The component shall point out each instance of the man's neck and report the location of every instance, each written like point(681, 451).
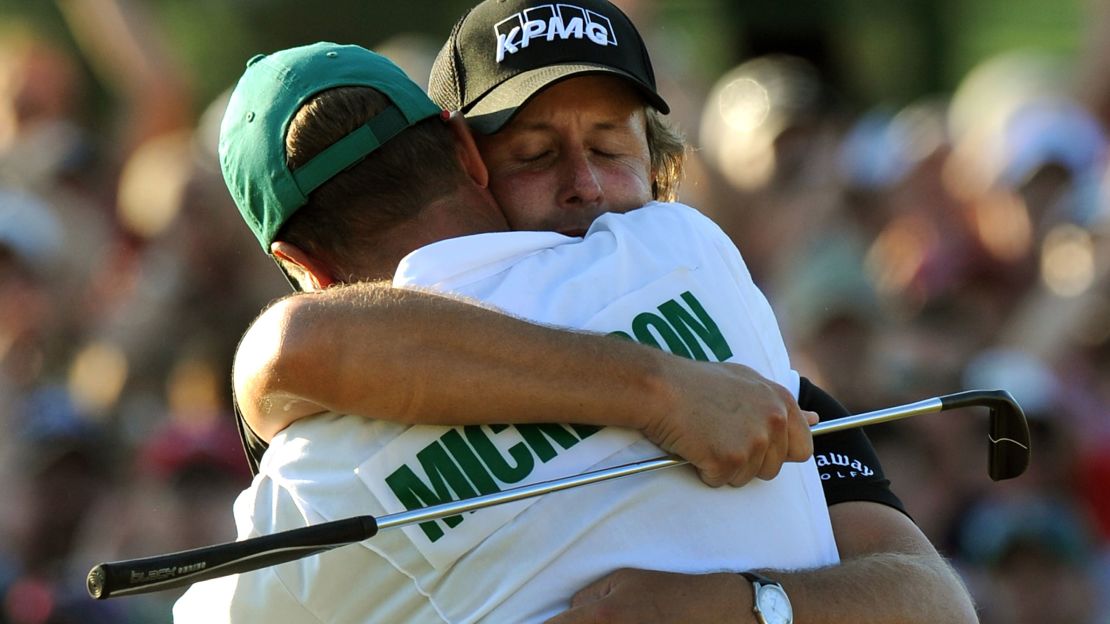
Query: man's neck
point(465, 212)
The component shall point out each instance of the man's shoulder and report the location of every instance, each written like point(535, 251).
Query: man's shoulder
point(669, 221)
point(675, 210)
point(466, 259)
point(657, 211)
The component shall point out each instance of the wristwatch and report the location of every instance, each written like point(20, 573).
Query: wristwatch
point(771, 605)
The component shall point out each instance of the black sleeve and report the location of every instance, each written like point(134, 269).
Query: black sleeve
point(846, 460)
point(253, 445)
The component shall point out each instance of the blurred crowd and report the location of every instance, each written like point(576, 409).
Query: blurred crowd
point(960, 242)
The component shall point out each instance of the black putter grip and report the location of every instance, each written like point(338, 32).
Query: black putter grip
point(978, 398)
point(137, 576)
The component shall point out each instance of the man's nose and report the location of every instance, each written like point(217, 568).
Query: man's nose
point(581, 183)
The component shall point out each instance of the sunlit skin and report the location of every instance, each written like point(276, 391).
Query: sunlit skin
point(575, 151)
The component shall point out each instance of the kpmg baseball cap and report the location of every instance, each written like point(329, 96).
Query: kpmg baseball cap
point(269, 94)
point(503, 52)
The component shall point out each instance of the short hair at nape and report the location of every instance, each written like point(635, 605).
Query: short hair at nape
point(360, 205)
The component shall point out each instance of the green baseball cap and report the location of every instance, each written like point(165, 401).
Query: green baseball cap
point(273, 88)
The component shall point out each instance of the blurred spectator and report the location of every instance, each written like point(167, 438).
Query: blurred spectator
point(768, 128)
point(1037, 556)
point(30, 248)
point(45, 151)
point(40, 89)
point(63, 466)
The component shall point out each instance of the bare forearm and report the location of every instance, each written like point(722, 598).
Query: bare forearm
point(415, 357)
point(878, 589)
point(890, 573)
point(883, 587)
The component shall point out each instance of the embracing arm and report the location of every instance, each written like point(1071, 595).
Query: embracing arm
point(889, 573)
point(420, 358)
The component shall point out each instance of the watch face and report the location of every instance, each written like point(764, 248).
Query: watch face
point(774, 605)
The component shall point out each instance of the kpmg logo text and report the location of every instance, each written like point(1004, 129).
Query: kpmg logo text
point(548, 22)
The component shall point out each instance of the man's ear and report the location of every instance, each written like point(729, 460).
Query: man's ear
point(310, 272)
point(467, 149)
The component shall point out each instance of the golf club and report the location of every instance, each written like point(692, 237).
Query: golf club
point(1008, 457)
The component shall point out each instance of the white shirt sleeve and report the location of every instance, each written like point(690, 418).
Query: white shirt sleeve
point(258, 596)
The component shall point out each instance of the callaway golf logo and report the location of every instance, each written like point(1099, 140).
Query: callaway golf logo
point(549, 22)
point(835, 465)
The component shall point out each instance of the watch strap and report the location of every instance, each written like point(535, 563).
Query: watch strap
point(758, 580)
point(755, 577)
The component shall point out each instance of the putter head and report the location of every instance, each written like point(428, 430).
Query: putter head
point(1008, 455)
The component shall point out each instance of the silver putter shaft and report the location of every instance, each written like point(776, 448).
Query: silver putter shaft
point(1008, 458)
point(998, 400)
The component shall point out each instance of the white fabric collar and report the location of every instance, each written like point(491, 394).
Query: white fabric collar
point(484, 254)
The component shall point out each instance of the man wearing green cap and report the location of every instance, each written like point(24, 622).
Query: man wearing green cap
point(306, 147)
